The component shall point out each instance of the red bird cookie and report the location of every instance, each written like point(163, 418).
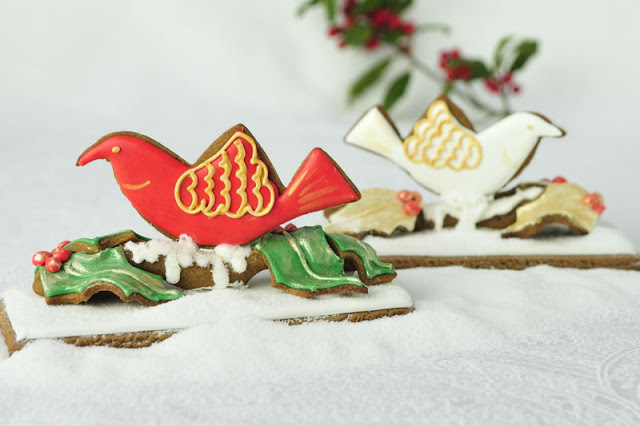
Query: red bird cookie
point(230, 195)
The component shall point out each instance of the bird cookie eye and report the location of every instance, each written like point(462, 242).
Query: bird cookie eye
point(530, 126)
point(115, 149)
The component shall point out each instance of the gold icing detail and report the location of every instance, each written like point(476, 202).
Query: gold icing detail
point(206, 203)
point(115, 149)
point(439, 141)
point(132, 187)
point(566, 199)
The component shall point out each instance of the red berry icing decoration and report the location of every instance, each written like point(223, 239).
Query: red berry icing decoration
point(52, 265)
point(40, 258)
point(411, 208)
point(406, 196)
point(61, 254)
point(278, 230)
point(290, 227)
point(52, 261)
point(559, 179)
point(595, 201)
point(411, 202)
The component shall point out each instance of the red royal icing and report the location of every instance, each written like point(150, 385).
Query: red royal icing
point(148, 175)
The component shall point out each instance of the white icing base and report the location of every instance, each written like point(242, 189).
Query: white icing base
point(604, 239)
point(32, 318)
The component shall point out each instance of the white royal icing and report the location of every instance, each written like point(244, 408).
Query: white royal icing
point(470, 209)
point(31, 318)
point(505, 146)
point(184, 253)
point(603, 240)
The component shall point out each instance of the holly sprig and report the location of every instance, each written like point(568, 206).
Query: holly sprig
point(370, 25)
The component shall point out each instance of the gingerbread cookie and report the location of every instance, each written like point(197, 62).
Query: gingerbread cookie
point(230, 195)
point(222, 214)
point(447, 156)
point(471, 220)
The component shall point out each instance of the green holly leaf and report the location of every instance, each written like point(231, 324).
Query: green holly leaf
point(368, 79)
point(306, 6)
point(524, 51)
point(400, 5)
point(447, 89)
point(498, 55)
point(396, 90)
point(368, 6)
point(392, 36)
point(330, 8)
point(357, 35)
point(478, 69)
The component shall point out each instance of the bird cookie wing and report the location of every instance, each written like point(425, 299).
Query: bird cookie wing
point(439, 140)
point(233, 182)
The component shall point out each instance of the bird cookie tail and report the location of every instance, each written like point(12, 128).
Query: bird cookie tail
point(375, 132)
point(319, 184)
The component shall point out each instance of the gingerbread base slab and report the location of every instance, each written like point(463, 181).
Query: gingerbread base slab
point(26, 317)
point(604, 247)
point(517, 262)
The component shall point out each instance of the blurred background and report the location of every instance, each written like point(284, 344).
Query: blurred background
point(183, 72)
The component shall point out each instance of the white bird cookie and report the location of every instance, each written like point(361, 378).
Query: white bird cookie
point(447, 156)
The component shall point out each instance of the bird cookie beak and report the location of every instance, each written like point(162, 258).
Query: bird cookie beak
point(556, 132)
point(86, 157)
point(94, 152)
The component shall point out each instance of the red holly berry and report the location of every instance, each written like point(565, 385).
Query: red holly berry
point(408, 28)
point(598, 208)
point(451, 75)
point(333, 31)
point(506, 78)
point(349, 21)
point(62, 244)
point(394, 22)
point(52, 265)
point(348, 7)
point(515, 88)
point(464, 73)
point(380, 17)
point(455, 54)
point(411, 208)
point(492, 85)
point(61, 254)
point(40, 258)
point(372, 43)
point(342, 44)
point(278, 230)
point(290, 227)
point(559, 179)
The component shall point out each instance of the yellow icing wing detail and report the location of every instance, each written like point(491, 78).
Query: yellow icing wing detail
point(439, 141)
point(204, 203)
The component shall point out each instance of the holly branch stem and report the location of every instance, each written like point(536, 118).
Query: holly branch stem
point(432, 74)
